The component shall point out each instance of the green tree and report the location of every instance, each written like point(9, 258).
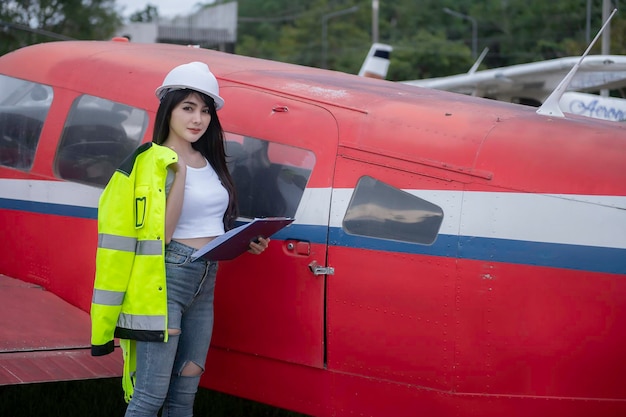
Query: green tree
point(28, 22)
point(520, 31)
point(427, 42)
point(149, 14)
point(291, 31)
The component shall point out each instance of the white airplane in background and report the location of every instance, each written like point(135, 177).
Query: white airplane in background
point(593, 105)
point(532, 83)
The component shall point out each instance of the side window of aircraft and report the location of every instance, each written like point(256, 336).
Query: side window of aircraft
point(24, 106)
point(98, 135)
point(270, 177)
point(382, 211)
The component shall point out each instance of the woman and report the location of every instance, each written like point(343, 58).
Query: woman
point(165, 351)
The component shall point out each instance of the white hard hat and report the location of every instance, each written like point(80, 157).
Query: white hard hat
point(193, 76)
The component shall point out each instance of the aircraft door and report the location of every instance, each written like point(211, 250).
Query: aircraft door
point(390, 302)
point(280, 153)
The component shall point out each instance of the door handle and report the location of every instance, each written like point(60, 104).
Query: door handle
point(317, 269)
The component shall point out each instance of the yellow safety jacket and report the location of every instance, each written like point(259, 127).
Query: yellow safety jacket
point(130, 296)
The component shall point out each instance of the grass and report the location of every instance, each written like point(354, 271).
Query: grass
point(103, 398)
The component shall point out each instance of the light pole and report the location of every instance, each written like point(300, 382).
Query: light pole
point(325, 31)
point(588, 23)
point(606, 36)
point(474, 28)
point(374, 21)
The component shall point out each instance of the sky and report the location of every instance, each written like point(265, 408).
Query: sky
point(167, 8)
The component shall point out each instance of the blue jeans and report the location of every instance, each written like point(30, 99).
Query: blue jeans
point(159, 383)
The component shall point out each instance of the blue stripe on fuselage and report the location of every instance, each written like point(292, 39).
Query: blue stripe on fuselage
point(554, 255)
point(49, 208)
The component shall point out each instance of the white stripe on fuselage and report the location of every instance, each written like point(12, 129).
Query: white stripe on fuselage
point(52, 192)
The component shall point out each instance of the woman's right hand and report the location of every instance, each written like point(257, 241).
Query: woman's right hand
point(179, 166)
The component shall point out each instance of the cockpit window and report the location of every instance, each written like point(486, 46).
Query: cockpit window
point(382, 211)
point(24, 106)
point(98, 135)
point(270, 177)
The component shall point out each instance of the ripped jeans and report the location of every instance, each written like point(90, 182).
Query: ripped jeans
point(160, 381)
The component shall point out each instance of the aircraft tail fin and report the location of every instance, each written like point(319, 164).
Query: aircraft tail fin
point(376, 62)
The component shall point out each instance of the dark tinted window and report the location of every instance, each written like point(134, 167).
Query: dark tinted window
point(270, 177)
point(382, 211)
point(98, 135)
point(23, 109)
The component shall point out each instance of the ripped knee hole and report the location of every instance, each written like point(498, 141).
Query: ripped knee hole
point(192, 369)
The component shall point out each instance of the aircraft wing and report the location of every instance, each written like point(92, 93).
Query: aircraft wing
point(534, 80)
point(43, 338)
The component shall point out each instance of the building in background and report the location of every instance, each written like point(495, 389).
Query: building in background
point(212, 27)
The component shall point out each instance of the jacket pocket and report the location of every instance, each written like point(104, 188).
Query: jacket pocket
point(141, 206)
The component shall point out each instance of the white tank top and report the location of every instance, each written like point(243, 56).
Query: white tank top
point(204, 203)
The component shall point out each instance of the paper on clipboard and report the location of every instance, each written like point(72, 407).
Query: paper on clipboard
point(236, 241)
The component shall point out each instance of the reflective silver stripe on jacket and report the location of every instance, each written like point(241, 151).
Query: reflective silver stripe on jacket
point(130, 244)
point(136, 322)
point(149, 247)
point(108, 298)
point(126, 244)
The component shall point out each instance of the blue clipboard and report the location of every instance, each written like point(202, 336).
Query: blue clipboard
point(237, 241)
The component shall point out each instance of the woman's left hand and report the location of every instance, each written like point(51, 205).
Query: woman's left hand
point(257, 248)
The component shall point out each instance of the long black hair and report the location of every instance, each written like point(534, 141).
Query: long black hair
point(210, 144)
